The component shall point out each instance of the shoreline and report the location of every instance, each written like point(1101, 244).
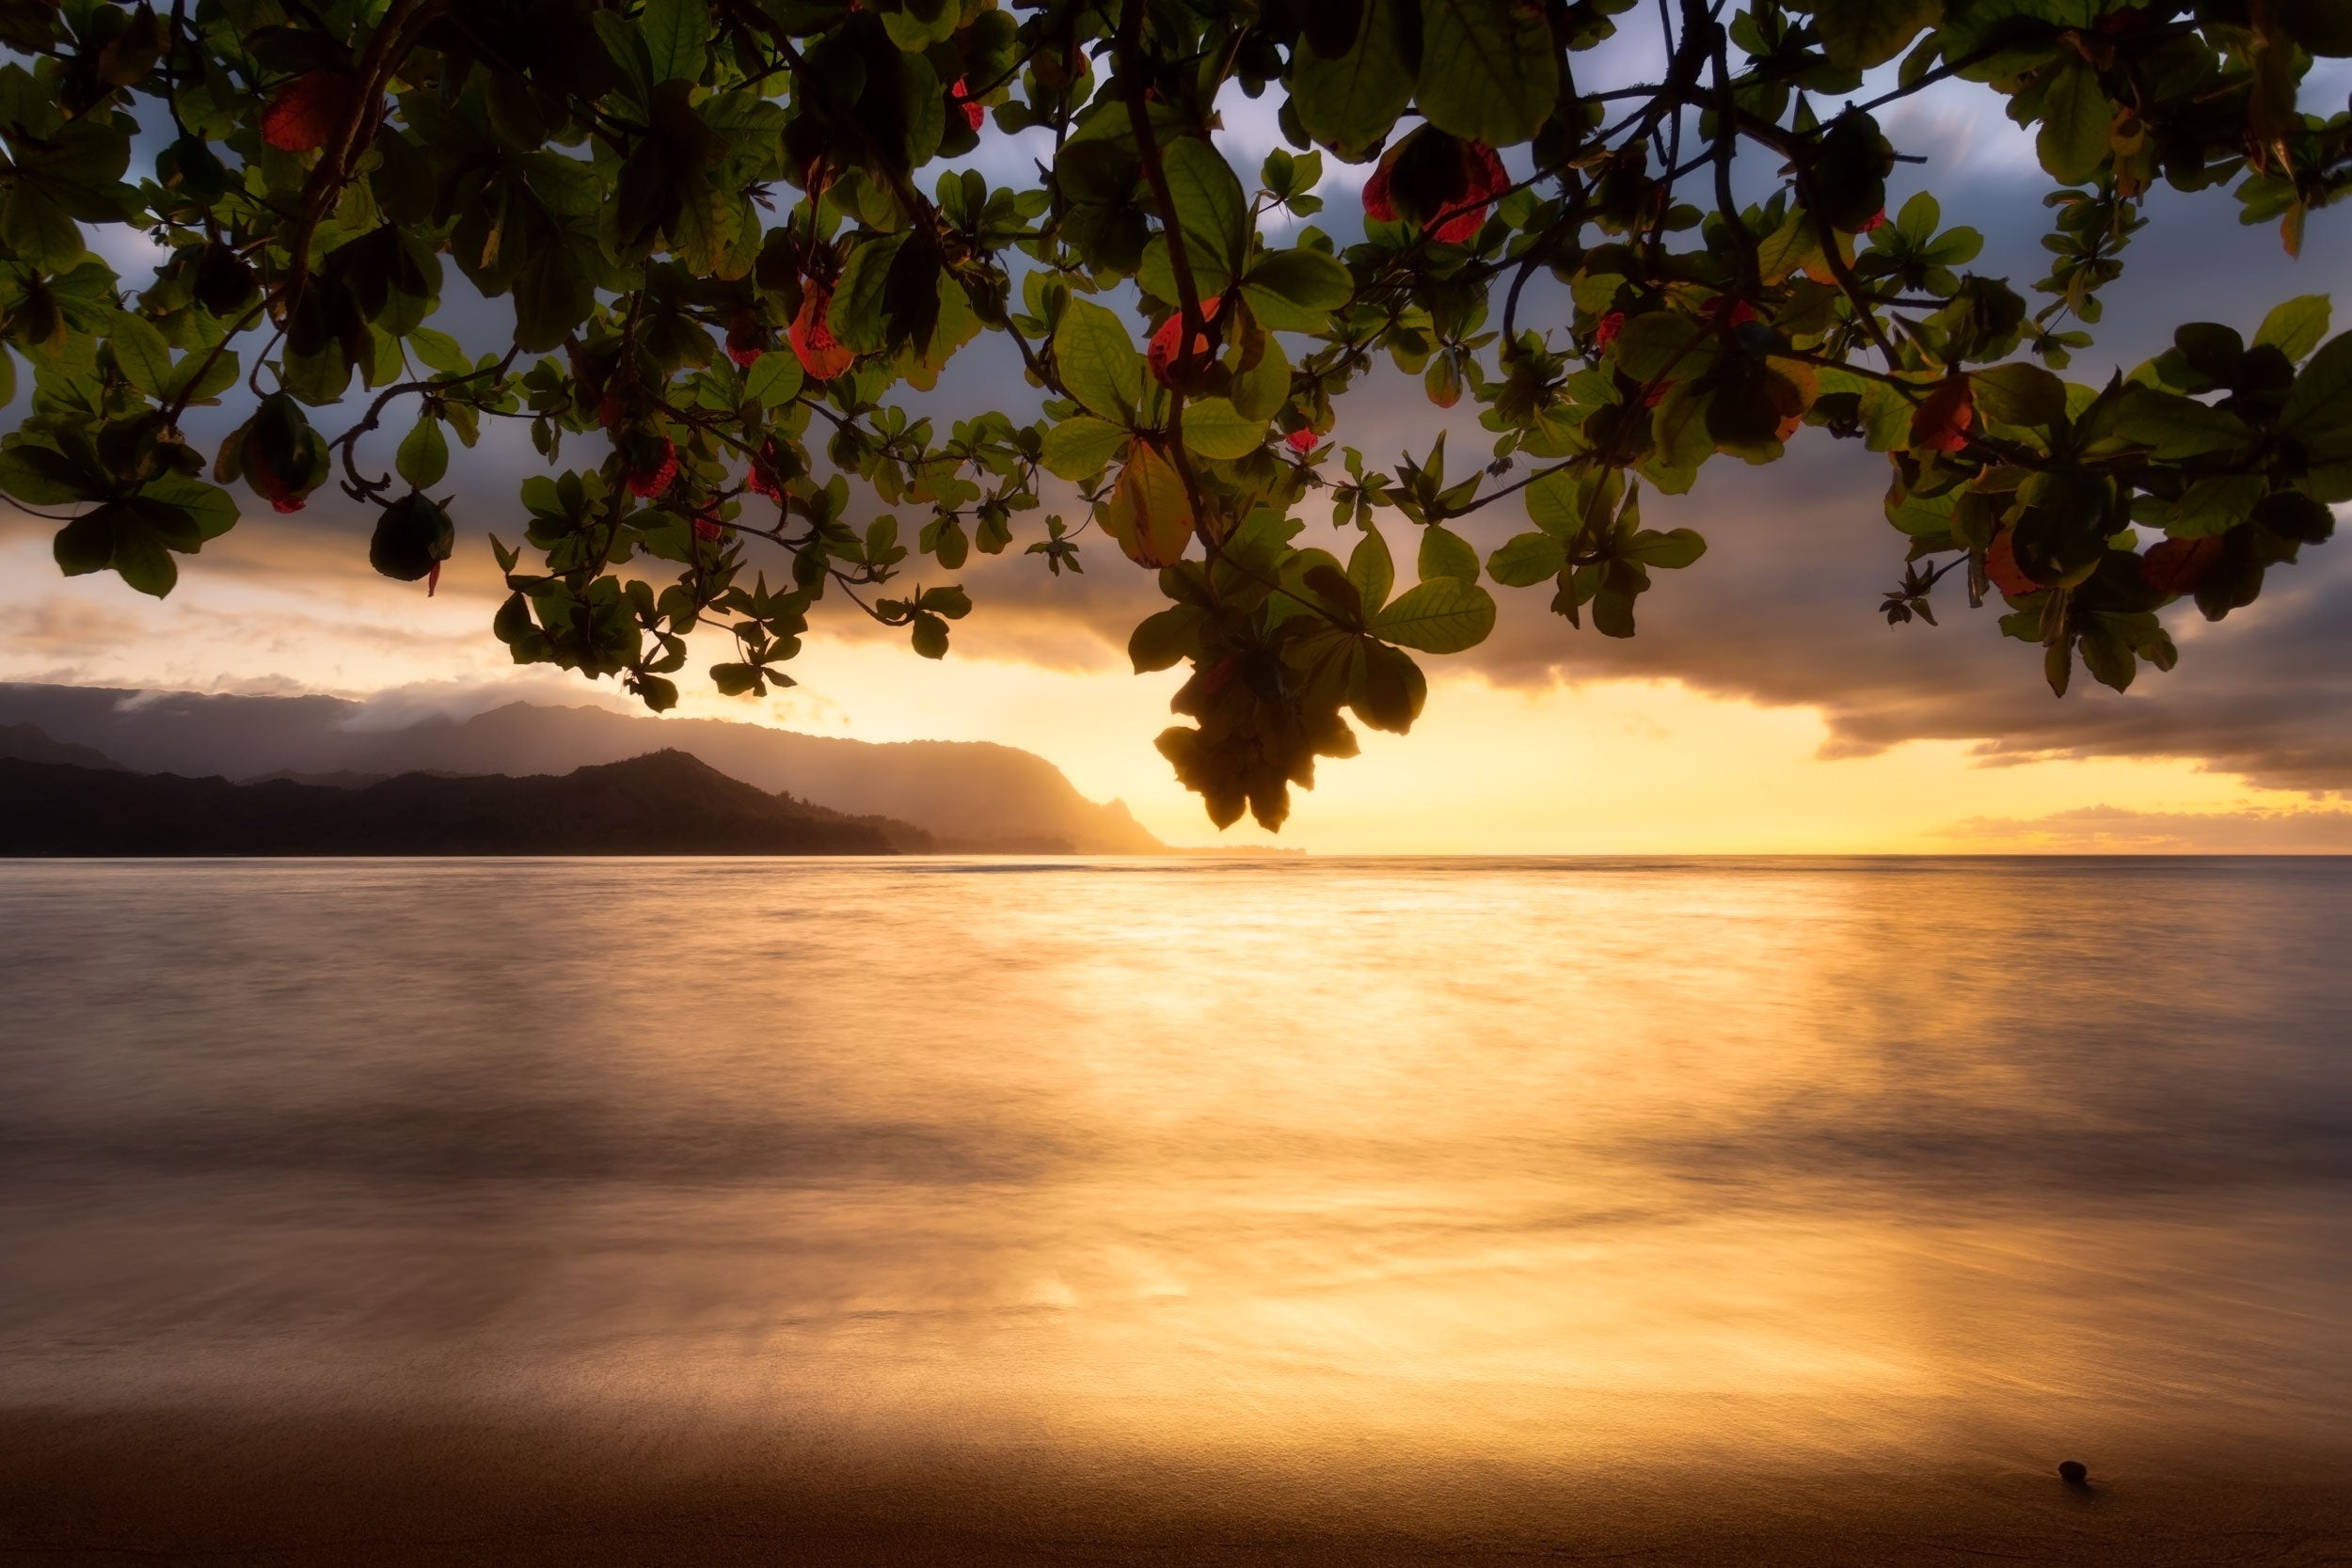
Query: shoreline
point(300, 1489)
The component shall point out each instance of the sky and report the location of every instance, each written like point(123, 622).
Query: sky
point(1765, 706)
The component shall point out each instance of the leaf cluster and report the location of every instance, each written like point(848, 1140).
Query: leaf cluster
point(739, 239)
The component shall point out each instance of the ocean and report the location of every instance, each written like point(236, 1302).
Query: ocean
point(1299, 1184)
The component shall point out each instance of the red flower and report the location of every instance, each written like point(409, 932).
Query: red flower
point(1730, 312)
point(1650, 398)
point(763, 480)
point(1301, 441)
point(1162, 353)
point(746, 339)
point(1875, 220)
point(707, 527)
point(1376, 202)
point(822, 355)
point(1605, 330)
point(647, 483)
point(959, 95)
point(307, 111)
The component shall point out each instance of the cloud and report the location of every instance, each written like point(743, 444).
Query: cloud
point(2113, 829)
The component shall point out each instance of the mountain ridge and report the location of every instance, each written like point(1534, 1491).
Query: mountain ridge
point(662, 803)
point(970, 795)
point(31, 743)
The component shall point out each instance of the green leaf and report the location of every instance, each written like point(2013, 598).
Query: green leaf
point(1385, 688)
point(1923, 516)
point(439, 351)
point(2075, 114)
point(1212, 214)
point(2172, 426)
point(1447, 554)
point(1297, 291)
point(916, 26)
point(1349, 101)
point(1371, 570)
point(1789, 247)
point(213, 509)
point(2108, 658)
point(1613, 606)
point(135, 537)
point(1859, 34)
point(2213, 505)
point(143, 560)
point(2320, 402)
point(775, 379)
point(84, 546)
point(1672, 549)
point(1149, 513)
point(2019, 394)
point(424, 454)
point(1214, 428)
point(40, 477)
point(140, 350)
point(950, 601)
point(1528, 559)
point(861, 298)
point(675, 31)
point(36, 229)
point(1261, 390)
point(1099, 362)
point(1488, 70)
point(733, 680)
point(1663, 343)
point(1443, 615)
point(1082, 446)
point(1161, 642)
point(2296, 327)
point(1917, 221)
point(1566, 500)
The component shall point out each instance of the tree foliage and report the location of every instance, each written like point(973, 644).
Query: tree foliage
point(735, 235)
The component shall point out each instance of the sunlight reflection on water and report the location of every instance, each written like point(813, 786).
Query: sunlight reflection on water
point(1475, 1158)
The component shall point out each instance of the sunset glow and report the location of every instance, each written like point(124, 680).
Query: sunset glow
point(1550, 766)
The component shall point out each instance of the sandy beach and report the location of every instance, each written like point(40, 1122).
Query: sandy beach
point(183, 1486)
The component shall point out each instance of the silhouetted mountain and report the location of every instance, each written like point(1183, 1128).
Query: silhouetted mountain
point(31, 743)
point(338, 781)
point(972, 795)
point(665, 803)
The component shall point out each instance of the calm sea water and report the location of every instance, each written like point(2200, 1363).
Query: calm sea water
point(1214, 1160)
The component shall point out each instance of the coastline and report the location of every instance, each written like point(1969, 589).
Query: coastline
point(295, 1489)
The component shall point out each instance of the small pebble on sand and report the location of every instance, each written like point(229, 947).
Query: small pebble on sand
point(2073, 1472)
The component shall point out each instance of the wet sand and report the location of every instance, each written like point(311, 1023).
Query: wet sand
point(188, 1486)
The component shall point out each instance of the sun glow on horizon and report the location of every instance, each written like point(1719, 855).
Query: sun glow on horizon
point(1613, 766)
